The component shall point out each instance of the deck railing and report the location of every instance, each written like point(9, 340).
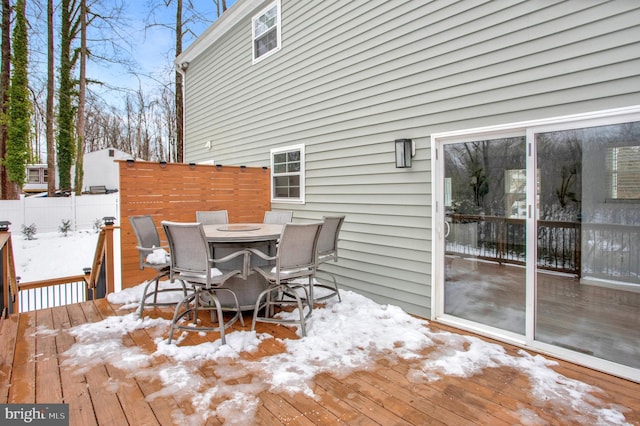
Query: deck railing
point(96, 281)
point(50, 293)
point(610, 250)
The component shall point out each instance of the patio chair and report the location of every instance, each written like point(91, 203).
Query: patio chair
point(278, 217)
point(212, 217)
point(296, 258)
point(327, 252)
point(148, 242)
point(190, 262)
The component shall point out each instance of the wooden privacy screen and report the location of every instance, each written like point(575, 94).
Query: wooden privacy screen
point(175, 191)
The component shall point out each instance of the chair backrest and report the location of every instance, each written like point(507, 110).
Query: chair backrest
point(278, 217)
point(328, 240)
point(297, 249)
point(212, 217)
point(189, 249)
point(146, 234)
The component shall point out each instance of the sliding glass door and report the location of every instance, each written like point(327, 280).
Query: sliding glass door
point(485, 202)
point(538, 237)
point(588, 269)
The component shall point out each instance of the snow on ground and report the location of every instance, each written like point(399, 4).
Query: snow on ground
point(341, 338)
point(52, 255)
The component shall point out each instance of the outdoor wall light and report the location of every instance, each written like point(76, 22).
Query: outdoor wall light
point(4, 225)
point(219, 166)
point(265, 168)
point(109, 220)
point(163, 164)
point(405, 149)
point(130, 162)
point(243, 167)
point(192, 166)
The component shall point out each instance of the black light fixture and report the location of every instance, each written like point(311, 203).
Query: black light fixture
point(243, 167)
point(4, 225)
point(163, 164)
point(404, 152)
point(192, 166)
point(86, 271)
point(109, 220)
point(130, 162)
point(265, 168)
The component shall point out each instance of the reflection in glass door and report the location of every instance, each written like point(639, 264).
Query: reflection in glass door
point(588, 267)
point(485, 253)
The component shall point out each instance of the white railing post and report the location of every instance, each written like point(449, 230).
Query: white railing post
point(23, 210)
point(74, 211)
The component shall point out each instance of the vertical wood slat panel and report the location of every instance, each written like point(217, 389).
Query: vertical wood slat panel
point(176, 192)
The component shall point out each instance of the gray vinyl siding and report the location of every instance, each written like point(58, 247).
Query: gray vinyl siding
point(352, 76)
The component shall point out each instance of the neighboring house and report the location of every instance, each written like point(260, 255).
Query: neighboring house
point(101, 173)
point(37, 178)
point(518, 216)
point(101, 170)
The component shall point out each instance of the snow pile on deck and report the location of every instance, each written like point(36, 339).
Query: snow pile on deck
point(342, 338)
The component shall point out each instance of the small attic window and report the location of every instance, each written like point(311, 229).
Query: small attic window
point(266, 32)
point(112, 153)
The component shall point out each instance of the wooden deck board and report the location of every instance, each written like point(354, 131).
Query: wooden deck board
point(106, 402)
point(48, 385)
point(74, 386)
point(102, 394)
point(8, 333)
point(23, 375)
point(163, 407)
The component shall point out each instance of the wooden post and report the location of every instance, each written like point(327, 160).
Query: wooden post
point(4, 278)
point(109, 253)
point(8, 281)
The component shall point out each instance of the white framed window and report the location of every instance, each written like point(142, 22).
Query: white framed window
point(265, 29)
point(623, 164)
point(287, 174)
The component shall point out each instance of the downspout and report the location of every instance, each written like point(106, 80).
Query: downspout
point(182, 69)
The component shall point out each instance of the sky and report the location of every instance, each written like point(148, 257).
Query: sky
point(336, 334)
point(150, 48)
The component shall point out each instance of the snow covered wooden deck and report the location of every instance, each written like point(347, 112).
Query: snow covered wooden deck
point(120, 372)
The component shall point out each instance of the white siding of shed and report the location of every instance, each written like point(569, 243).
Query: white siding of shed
point(352, 77)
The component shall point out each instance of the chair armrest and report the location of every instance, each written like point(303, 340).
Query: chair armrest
point(261, 254)
point(245, 261)
point(152, 248)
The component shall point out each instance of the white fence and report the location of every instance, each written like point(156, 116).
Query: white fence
point(47, 213)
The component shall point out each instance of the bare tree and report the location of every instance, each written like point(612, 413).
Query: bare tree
point(186, 14)
point(179, 94)
point(82, 90)
point(50, 119)
point(5, 75)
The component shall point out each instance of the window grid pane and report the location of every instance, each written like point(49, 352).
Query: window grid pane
point(265, 32)
point(286, 174)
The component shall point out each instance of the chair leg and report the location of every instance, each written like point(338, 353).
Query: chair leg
point(332, 285)
point(288, 291)
point(303, 326)
point(177, 315)
point(191, 304)
point(310, 300)
point(146, 294)
point(237, 310)
point(156, 290)
point(220, 317)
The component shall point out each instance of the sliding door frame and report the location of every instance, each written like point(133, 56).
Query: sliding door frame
point(529, 129)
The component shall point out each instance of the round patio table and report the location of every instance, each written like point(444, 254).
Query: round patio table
point(242, 232)
point(225, 239)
